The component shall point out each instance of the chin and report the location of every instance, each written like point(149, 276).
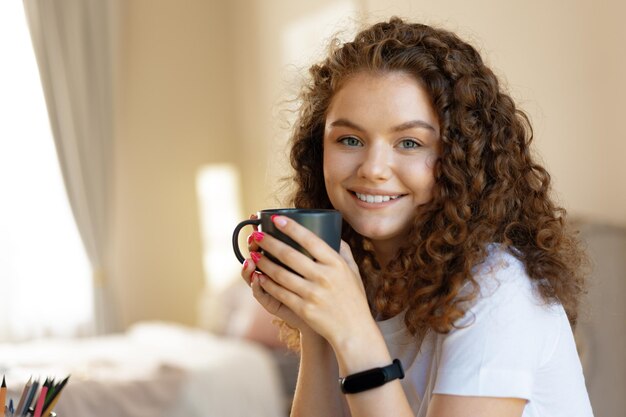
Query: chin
point(380, 233)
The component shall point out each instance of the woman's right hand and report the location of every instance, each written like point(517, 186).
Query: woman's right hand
point(269, 303)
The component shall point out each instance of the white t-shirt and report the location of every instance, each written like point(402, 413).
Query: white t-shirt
point(509, 344)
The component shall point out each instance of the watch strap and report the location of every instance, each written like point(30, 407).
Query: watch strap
point(371, 378)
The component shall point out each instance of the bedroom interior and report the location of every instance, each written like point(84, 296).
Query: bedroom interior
point(170, 122)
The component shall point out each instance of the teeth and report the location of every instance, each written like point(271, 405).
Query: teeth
point(375, 198)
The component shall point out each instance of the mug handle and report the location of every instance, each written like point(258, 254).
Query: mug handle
point(255, 222)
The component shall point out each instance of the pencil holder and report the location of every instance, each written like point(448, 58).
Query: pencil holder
point(31, 412)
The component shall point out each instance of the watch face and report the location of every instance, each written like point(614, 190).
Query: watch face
point(364, 381)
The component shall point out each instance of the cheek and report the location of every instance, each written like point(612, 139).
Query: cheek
point(327, 168)
point(431, 161)
point(334, 167)
point(332, 179)
point(422, 179)
point(330, 174)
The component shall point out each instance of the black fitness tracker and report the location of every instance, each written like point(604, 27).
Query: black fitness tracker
point(372, 378)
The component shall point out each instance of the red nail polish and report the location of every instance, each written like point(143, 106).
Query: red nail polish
point(255, 256)
point(257, 236)
point(245, 264)
point(273, 217)
point(280, 221)
point(249, 239)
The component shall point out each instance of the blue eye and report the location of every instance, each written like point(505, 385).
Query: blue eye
point(409, 144)
point(350, 141)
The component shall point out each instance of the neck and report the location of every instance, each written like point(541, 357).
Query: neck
point(385, 251)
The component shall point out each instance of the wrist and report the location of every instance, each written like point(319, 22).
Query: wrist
point(371, 378)
point(361, 350)
point(310, 339)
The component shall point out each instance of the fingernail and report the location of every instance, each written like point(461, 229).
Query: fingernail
point(255, 256)
point(279, 221)
point(249, 239)
point(257, 236)
point(245, 264)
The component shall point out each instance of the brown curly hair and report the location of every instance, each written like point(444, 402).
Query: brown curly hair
point(489, 189)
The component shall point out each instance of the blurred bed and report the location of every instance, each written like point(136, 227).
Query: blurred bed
point(154, 369)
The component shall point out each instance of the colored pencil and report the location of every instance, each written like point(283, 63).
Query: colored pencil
point(3, 394)
point(51, 402)
point(29, 397)
point(20, 403)
point(40, 400)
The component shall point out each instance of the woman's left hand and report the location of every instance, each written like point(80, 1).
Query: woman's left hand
point(327, 293)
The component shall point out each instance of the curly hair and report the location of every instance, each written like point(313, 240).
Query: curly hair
point(488, 187)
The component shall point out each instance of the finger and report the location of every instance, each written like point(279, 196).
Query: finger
point(294, 259)
point(279, 293)
point(252, 245)
point(262, 297)
point(282, 276)
point(269, 303)
point(346, 254)
point(318, 249)
point(247, 270)
point(254, 217)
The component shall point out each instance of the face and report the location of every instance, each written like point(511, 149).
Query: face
point(381, 143)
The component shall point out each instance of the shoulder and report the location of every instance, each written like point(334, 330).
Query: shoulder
point(506, 334)
point(499, 267)
point(508, 314)
point(502, 279)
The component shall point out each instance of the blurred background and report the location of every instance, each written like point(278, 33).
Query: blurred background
point(170, 121)
point(205, 82)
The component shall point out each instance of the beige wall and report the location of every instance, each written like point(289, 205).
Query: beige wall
point(172, 118)
point(202, 81)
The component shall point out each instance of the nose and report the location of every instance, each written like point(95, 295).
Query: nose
point(376, 163)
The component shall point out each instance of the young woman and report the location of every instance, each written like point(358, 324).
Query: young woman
point(457, 281)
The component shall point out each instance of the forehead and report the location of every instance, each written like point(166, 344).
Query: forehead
point(382, 98)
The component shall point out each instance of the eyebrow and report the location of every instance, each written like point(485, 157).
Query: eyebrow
point(404, 126)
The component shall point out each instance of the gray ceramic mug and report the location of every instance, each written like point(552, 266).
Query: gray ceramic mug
point(324, 223)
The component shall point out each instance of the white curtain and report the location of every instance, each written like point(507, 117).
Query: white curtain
point(44, 271)
point(73, 42)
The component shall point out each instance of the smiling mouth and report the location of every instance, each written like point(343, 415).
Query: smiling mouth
point(376, 198)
